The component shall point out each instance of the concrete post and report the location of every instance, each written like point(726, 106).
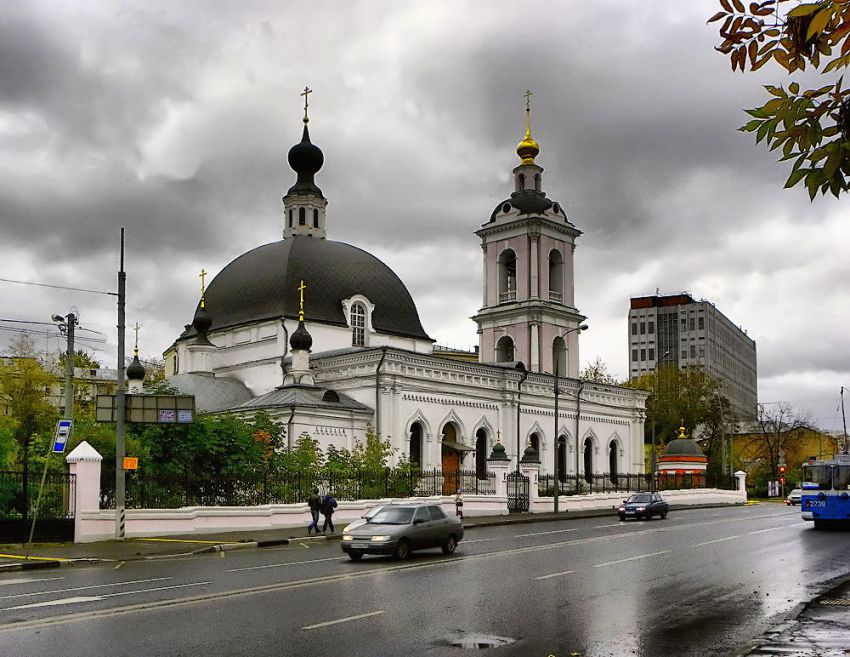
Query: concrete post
point(500, 467)
point(84, 462)
point(741, 482)
point(532, 471)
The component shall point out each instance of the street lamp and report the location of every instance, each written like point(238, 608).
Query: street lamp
point(556, 479)
point(652, 454)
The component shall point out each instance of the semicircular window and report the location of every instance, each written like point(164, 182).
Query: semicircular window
point(330, 396)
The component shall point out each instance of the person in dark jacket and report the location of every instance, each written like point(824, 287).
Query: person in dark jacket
point(314, 502)
point(327, 508)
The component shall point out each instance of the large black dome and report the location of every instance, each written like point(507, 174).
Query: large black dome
point(262, 284)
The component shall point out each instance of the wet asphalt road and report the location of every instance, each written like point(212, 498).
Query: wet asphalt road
point(702, 582)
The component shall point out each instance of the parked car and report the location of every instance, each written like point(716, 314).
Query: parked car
point(644, 505)
point(362, 520)
point(399, 529)
point(794, 497)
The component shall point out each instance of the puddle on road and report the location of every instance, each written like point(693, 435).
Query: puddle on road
point(476, 641)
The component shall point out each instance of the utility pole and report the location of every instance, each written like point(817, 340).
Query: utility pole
point(121, 404)
point(844, 421)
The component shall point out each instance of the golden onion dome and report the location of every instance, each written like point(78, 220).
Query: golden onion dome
point(527, 149)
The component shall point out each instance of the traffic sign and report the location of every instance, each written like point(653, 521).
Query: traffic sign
point(61, 436)
point(131, 462)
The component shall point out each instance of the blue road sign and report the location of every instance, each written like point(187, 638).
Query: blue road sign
point(60, 438)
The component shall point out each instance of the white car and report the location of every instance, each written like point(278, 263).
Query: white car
point(794, 497)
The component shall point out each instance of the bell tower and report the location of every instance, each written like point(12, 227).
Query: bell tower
point(528, 312)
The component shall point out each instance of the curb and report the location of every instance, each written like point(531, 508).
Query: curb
point(30, 565)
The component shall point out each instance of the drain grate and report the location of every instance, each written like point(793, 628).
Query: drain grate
point(836, 602)
point(475, 641)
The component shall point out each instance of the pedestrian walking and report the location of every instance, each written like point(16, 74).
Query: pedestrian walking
point(327, 508)
point(314, 502)
point(459, 503)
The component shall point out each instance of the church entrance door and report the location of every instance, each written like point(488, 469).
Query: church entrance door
point(451, 466)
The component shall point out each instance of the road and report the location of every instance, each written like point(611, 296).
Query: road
point(701, 582)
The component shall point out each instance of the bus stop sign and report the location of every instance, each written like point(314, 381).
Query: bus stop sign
point(61, 436)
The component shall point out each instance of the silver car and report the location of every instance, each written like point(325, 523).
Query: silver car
point(399, 529)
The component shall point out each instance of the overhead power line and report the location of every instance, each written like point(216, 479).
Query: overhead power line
point(58, 287)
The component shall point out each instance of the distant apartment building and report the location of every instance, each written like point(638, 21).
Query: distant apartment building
point(677, 329)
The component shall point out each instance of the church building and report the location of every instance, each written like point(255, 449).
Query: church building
point(326, 339)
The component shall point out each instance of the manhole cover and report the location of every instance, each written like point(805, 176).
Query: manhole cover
point(836, 602)
point(475, 641)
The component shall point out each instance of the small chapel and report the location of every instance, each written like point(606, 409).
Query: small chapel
point(326, 339)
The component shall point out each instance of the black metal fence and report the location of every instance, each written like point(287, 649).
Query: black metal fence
point(628, 483)
point(55, 511)
point(146, 491)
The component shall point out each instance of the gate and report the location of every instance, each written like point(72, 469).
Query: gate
point(55, 513)
point(517, 489)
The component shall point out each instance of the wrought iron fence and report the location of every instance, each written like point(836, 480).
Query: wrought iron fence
point(628, 483)
point(57, 499)
point(149, 491)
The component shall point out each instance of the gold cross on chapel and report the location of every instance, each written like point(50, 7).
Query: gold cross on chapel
point(136, 345)
point(203, 277)
point(304, 93)
point(301, 289)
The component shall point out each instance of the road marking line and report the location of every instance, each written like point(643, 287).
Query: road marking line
point(281, 565)
point(769, 529)
point(26, 558)
point(554, 531)
point(182, 540)
point(28, 580)
point(479, 540)
point(98, 598)
point(566, 572)
point(641, 556)
point(798, 524)
point(343, 620)
point(84, 588)
point(716, 540)
point(120, 564)
point(616, 524)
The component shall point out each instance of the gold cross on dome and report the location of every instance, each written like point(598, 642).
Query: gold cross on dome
point(203, 276)
point(301, 289)
point(136, 331)
point(527, 95)
point(304, 93)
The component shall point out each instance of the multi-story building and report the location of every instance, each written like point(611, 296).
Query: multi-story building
point(676, 329)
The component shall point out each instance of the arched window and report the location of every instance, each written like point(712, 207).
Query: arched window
point(315, 218)
point(559, 356)
point(562, 459)
point(537, 182)
point(612, 461)
point(520, 182)
point(290, 217)
point(302, 217)
point(358, 325)
point(416, 445)
point(507, 276)
point(535, 443)
point(481, 454)
point(505, 350)
point(556, 276)
point(588, 460)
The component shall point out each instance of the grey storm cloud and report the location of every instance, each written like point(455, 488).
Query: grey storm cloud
point(174, 121)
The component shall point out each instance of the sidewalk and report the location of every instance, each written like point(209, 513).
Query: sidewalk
point(54, 555)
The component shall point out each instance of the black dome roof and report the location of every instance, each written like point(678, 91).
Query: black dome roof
point(306, 159)
point(300, 338)
point(262, 284)
point(136, 371)
point(683, 447)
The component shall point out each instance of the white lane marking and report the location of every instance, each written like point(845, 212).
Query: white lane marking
point(566, 572)
point(798, 524)
point(479, 540)
point(84, 588)
point(343, 620)
point(282, 565)
point(716, 540)
point(28, 580)
point(640, 556)
point(554, 531)
point(769, 529)
point(97, 598)
point(616, 524)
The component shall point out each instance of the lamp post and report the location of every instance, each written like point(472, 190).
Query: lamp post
point(652, 455)
point(555, 473)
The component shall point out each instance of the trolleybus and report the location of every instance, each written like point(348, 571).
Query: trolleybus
point(826, 491)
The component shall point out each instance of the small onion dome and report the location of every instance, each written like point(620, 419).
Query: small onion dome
point(683, 446)
point(306, 159)
point(301, 339)
point(530, 454)
point(136, 372)
point(498, 453)
point(527, 149)
point(202, 321)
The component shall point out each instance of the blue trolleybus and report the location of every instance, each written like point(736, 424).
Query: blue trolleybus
point(826, 491)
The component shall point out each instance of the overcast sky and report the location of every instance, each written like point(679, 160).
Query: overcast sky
point(174, 119)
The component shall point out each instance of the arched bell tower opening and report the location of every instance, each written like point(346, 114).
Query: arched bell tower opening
point(505, 350)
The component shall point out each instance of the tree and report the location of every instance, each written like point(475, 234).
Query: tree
point(776, 427)
point(810, 126)
point(81, 358)
point(597, 372)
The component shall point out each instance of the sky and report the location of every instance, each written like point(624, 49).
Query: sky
point(174, 120)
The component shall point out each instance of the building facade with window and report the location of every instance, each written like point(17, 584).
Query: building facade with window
point(359, 356)
point(677, 329)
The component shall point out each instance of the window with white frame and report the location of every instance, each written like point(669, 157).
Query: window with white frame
point(358, 325)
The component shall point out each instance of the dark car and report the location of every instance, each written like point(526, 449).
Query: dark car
point(643, 505)
point(399, 529)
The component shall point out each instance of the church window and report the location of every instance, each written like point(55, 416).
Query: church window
point(507, 276)
point(556, 209)
point(535, 443)
point(506, 207)
point(290, 217)
point(556, 276)
point(562, 459)
point(559, 356)
point(537, 182)
point(520, 182)
point(302, 217)
point(481, 454)
point(358, 325)
point(505, 350)
point(315, 218)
